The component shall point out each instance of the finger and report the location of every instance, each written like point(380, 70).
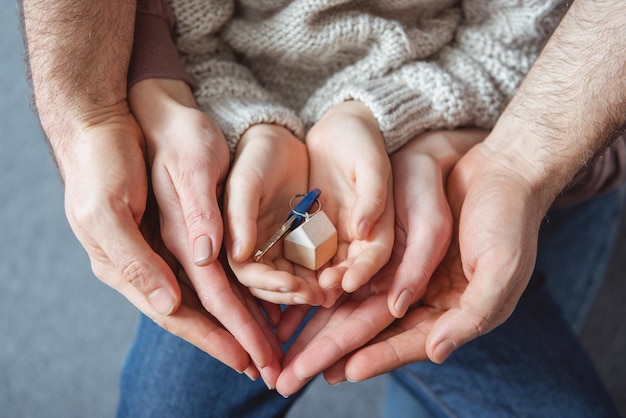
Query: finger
point(349, 327)
point(322, 319)
point(202, 215)
point(336, 373)
point(481, 309)
point(363, 323)
point(384, 356)
point(272, 311)
point(270, 372)
point(399, 344)
point(426, 220)
point(190, 323)
point(207, 335)
point(369, 261)
point(242, 212)
point(218, 298)
point(189, 211)
point(374, 254)
point(373, 197)
point(280, 298)
point(277, 286)
point(135, 261)
point(288, 382)
point(290, 321)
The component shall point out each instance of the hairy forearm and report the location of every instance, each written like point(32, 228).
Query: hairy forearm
point(78, 52)
point(573, 100)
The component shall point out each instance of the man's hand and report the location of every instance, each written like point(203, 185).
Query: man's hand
point(79, 53)
point(105, 196)
point(477, 285)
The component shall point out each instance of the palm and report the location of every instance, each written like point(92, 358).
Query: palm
point(349, 164)
point(270, 168)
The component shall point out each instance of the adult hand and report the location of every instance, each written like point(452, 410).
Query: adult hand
point(423, 233)
point(270, 168)
point(188, 159)
point(349, 164)
point(498, 212)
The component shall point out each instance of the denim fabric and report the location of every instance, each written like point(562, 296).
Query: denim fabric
point(164, 376)
point(575, 246)
point(531, 366)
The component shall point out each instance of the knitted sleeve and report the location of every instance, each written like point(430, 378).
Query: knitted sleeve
point(226, 89)
point(154, 53)
point(466, 82)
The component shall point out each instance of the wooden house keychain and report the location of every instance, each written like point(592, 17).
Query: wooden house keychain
point(310, 239)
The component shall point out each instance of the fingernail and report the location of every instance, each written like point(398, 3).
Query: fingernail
point(443, 351)
point(269, 387)
point(298, 300)
point(363, 229)
point(236, 249)
point(337, 382)
point(402, 302)
point(202, 250)
point(162, 301)
point(252, 372)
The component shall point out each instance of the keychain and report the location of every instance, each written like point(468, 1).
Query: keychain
point(310, 239)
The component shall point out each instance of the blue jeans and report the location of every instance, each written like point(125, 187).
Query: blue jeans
point(532, 365)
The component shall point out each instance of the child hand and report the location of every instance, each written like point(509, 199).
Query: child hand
point(349, 164)
point(270, 168)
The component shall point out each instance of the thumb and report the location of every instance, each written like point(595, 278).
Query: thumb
point(373, 194)
point(203, 220)
point(141, 267)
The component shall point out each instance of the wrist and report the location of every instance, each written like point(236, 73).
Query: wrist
point(154, 102)
point(154, 91)
point(353, 108)
point(71, 133)
point(546, 163)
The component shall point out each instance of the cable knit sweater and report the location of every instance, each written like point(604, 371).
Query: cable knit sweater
point(417, 64)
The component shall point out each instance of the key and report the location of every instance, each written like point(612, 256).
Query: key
point(296, 216)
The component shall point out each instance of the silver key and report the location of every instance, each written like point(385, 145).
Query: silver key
point(277, 236)
point(297, 215)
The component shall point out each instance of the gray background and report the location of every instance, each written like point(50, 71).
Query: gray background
point(64, 334)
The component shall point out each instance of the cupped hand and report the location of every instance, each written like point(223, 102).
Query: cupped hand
point(349, 164)
point(423, 233)
point(271, 167)
point(188, 160)
point(478, 284)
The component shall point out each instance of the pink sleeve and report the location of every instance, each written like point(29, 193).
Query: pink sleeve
point(154, 52)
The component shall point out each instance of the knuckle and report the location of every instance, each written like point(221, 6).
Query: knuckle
point(480, 324)
point(196, 216)
point(136, 273)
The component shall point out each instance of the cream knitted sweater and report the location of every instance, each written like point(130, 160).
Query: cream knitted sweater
point(417, 64)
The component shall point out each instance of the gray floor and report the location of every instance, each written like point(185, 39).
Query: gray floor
point(65, 334)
